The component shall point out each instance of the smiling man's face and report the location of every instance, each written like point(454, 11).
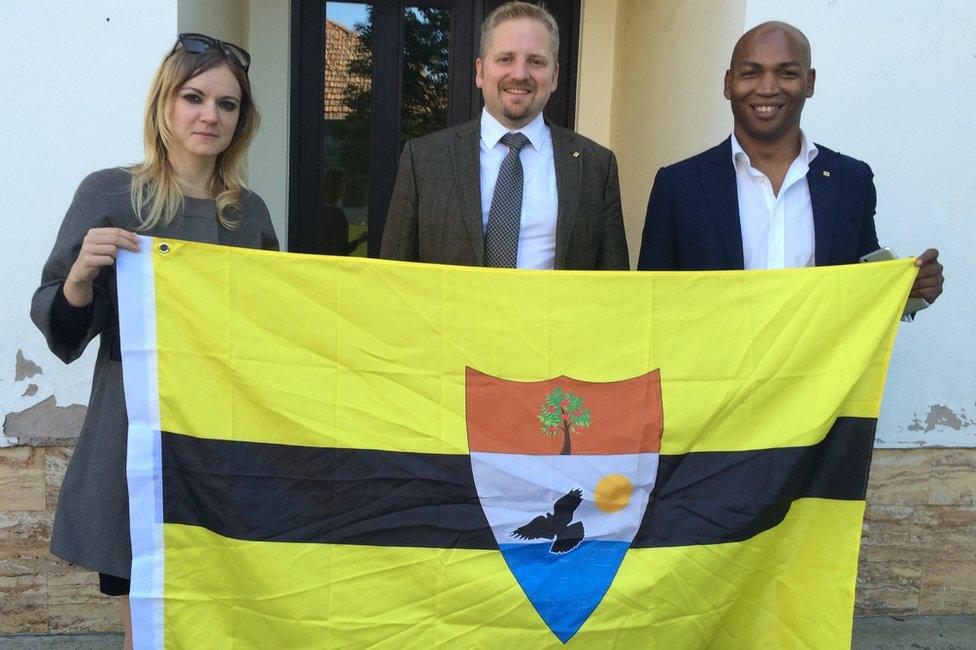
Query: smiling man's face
point(767, 84)
point(518, 71)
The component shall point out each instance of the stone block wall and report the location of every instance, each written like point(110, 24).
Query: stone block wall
point(918, 554)
point(918, 550)
point(40, 594)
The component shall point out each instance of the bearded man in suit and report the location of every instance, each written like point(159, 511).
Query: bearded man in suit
point(509, 189)
point(767, 197)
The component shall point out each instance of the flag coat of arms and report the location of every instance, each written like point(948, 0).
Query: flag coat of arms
point(332, 453)
point(564, 470)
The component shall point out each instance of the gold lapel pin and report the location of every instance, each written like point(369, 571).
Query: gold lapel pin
point(575, 154)
point(826, 173)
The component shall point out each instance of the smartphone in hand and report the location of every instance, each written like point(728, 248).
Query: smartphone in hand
point(884, 254)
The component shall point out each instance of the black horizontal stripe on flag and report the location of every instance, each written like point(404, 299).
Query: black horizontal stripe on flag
point(719, 496)
point(272, 492)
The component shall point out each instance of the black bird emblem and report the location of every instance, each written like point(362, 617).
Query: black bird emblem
point(555, 525)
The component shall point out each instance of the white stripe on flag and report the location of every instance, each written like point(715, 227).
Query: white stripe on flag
point(137, 330)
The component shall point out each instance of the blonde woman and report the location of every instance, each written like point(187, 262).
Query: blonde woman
point(200, 119)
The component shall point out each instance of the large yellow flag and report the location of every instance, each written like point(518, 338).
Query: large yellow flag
point(345, 453)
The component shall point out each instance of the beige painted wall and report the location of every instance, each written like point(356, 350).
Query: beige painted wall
point(594, 80)
point(665, 103)
point(223, 19)
point(267, 159)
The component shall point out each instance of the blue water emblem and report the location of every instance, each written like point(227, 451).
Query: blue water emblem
point(565, 588)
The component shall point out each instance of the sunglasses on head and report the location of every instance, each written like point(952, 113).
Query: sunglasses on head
point(197, 43)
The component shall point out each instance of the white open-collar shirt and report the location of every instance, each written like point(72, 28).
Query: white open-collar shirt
point(537, 234)
point(777, 230)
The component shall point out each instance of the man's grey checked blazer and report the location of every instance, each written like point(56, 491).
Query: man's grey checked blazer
point(435, 212)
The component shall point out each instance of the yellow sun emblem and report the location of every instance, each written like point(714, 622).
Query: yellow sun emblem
point(612, 493)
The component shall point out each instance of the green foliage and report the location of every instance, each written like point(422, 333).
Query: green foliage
point(427, 39)
point(423, 95)
point(561, 407)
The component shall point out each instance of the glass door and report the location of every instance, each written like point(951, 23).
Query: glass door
point(366, 77)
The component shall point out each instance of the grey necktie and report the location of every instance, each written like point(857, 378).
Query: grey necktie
point(504, 216)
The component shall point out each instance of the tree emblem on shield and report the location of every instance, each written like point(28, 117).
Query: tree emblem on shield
point(564, 413)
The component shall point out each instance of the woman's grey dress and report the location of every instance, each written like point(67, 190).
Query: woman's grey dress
point(91, 524)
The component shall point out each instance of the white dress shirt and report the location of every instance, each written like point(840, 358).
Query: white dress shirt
point(777, 230)
point(537, 234)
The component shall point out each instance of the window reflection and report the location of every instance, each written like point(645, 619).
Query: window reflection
point(426, 49)
point(346, 111)
point(344, 182)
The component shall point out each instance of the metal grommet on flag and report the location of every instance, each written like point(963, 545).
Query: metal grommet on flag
point(164, 248)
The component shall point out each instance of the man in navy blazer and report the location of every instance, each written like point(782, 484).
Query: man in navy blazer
point(767, 197)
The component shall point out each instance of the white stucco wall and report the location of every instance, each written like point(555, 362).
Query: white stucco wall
point(896, 87)
point(75, 106)
point(74, 77)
